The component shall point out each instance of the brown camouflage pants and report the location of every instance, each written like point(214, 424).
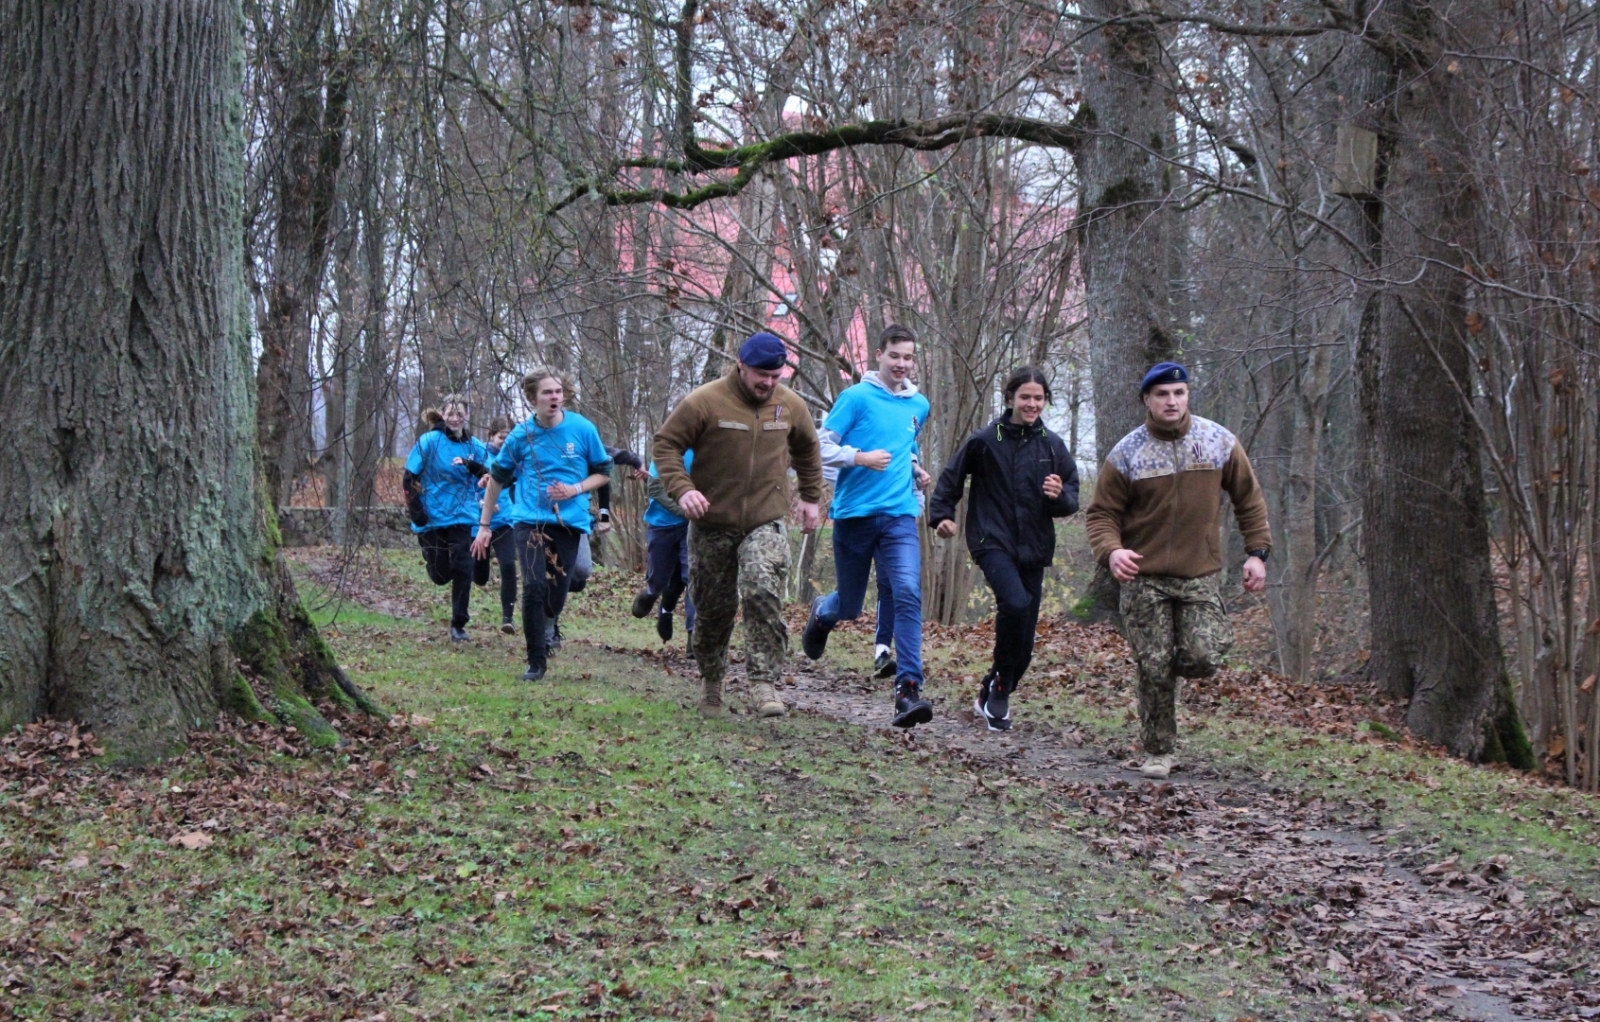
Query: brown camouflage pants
point(1177, 628)
point(727, 569)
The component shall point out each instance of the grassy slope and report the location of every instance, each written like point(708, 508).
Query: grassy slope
point(591, 847)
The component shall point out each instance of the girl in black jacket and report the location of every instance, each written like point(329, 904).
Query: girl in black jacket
point(1023, 478)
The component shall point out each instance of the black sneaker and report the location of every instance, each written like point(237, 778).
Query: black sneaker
point(983, 694)
point(552, 638)
point(910, 709)
point(534, 673)
point(883, 666)
point(458, 634)
point(997, 708)
point(506, 625)
point(664, 626)
point(814, 640)
point(643, 602)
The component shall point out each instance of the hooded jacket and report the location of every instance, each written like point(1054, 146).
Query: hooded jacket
point(871, 417)
point(440, 493)
point(1008, 511)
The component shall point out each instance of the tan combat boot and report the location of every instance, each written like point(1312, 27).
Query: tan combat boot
point(764, 701)
point(711, 699)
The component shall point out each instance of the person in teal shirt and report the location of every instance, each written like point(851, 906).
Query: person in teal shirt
point(556, 460)
point(442, 502)
point(870, 437)
point(666, 546)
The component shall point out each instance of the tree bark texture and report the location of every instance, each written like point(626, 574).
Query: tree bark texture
point(1124, 216)
point(315, 93)
point(135, 551)
point(1125, 232)
point(1435, 633)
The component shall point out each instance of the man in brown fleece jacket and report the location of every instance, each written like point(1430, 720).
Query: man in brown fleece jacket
point(746, 430)
point(1153, 523)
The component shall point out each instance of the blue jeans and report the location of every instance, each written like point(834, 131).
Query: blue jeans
point(885, 636)
point(890, 542)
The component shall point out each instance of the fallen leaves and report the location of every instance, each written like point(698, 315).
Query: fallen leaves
point(193, 840)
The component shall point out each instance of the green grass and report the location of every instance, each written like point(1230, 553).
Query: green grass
point(590, 847)
point(586, 848)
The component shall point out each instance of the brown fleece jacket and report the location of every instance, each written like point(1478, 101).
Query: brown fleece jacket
point(743, 448)
point(1159, 494)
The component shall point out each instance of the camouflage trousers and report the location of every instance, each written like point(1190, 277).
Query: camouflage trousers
point(729, 569)
point(1177, 628)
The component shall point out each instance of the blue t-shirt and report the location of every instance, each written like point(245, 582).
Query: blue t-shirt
point(654, 513)
point(449, 493)
point(535, 458)
point(869, 418)
point(502, 509)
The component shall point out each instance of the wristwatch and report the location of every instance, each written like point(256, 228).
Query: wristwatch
point(1263, 553)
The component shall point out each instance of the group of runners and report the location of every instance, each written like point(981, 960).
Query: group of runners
point(721, 496)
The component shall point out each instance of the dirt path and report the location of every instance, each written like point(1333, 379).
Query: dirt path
point(1346, 907)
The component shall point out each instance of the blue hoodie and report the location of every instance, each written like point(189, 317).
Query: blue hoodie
point(449, 493)
point(534, 457)
point(870, 417)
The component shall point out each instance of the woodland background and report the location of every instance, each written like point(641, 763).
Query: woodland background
point(404, 157)
point(1367, 227)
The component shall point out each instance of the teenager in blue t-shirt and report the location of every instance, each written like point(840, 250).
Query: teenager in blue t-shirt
point(503, 542)
point(870, 435)
point(442, 501)
point(666, 546)
point(556, 460)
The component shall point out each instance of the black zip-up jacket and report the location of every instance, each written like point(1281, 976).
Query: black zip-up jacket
point(1009, 511)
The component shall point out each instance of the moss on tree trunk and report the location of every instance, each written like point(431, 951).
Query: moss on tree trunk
point(138, 553)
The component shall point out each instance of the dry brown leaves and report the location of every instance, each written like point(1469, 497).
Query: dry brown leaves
point(363, 577)
point(1276, 872)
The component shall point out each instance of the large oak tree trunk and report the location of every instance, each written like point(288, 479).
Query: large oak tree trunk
point(1126, 222)
point(137, 557)
point(1126, 234)
point(1435, 633)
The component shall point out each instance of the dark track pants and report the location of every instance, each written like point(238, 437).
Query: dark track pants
point(505, 552)
point(448, 554)
point(1017, 592)
point(547, 553)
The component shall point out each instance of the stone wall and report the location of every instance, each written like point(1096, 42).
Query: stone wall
point(379, 526)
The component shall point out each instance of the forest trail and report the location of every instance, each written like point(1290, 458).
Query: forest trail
point(1324, 884)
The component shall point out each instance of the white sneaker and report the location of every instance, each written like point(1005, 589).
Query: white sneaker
point(1157, 768)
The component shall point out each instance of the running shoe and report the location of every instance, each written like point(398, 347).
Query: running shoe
point(814, 640)
point(910, 709)
point(643, 602)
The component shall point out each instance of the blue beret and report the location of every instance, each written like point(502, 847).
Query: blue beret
point(763, 351)
point(1163, 372)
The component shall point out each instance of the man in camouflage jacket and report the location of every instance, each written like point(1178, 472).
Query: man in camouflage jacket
point(746, 431)
point(1153, 523)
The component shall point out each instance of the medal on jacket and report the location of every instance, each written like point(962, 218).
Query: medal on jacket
point(777, 413)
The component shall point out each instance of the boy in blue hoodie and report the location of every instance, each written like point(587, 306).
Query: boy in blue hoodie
point(870, 436)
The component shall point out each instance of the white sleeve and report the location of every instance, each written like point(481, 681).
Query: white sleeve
point(834, 454)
